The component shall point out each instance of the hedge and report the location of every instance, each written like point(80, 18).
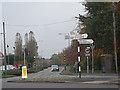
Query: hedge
point(16, 72)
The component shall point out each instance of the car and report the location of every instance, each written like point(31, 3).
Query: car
point(54, 68)
point(8, 67)
point(11, 67)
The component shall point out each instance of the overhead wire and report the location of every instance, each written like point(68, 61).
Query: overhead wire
point(59, 22)
point(39, 25)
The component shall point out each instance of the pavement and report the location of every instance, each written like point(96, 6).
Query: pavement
point(67, 72)
point(94, 78)
point(91, 75)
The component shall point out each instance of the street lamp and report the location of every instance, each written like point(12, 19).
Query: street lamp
point(14, 55)
point(42, 59)
point(67, 36)
point(24, 57)
point(40, 41)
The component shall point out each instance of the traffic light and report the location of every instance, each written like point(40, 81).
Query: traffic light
point(34, 57)
point(64, 56)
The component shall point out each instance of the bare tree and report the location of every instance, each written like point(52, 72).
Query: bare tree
point(26, 44)
point(18, 45)
point(26, 40)
point(32, 44)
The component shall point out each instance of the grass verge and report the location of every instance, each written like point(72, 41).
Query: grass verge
point(84, 71)
point(57, 79)
point(72, 69)
point(6, 76)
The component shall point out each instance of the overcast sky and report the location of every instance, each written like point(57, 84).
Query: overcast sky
point(45, 19)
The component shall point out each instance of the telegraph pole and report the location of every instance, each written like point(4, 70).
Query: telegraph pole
point(1, 43)
point(114, 29)
point(8, 53)
point(68, 47)
point(4, 45)
point(14, 54)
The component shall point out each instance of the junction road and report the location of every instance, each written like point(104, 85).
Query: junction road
point(86, 81)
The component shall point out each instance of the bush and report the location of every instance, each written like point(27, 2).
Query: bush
point(33, 70)
point(72, 69)
point(16, 72)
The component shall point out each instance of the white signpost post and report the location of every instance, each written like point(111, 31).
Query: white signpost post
point(87, 53)
point(92, 47)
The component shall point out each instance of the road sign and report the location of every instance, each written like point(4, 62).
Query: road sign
point(82, 36)
point(24, 72)
point(78, 36)
point(93, 46)
point(86, 41)
point(72, 33)
point(87, 51)
point(67, 37)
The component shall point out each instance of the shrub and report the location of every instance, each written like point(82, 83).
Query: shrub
point(33, 70)
point(72, 69)
point(16, 72)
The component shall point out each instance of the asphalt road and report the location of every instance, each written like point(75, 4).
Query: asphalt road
point(48, 74)
point(56, 85)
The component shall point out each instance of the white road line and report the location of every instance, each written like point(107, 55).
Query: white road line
point(97, 82)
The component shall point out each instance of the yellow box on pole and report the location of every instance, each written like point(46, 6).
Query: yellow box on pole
point(24, 72)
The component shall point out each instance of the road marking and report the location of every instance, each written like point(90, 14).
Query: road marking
point(116, 79)
point(97, 82)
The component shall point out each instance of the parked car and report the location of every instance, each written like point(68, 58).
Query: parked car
point(54, 68)
point(8, 67)
point(11, 67)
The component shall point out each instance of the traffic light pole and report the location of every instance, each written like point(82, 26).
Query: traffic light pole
point(64, 62)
